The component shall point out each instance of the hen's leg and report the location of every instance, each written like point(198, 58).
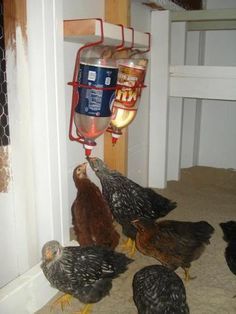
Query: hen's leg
point(86, 309)
point(187, 275)
point(63, 300)
point(129, 246)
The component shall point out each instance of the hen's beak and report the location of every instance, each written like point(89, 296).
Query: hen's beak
point(84, 168)
point(84, 165)
point(92, 162)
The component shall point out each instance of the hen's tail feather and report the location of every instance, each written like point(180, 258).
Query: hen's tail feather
point(161, 203)
point(120, 262)
point(203, 231)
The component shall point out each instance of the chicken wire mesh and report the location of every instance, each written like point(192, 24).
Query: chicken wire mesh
point(4, 122)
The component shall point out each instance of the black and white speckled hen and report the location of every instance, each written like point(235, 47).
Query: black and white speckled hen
point(173, 243)
point(91, 216)
point(128, 200)
point(159, 290)
point(229, 230)
point(83, 273)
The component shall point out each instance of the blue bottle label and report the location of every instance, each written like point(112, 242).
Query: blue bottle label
point(93, 102)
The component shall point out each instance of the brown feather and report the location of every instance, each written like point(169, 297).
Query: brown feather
point(174, 243)
point(91, 215)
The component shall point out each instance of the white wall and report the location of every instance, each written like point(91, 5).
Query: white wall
point(8, 260)
point(218, 127)
point(190, 108)
point(209, 128)
point(138, 129)
point(9, 207)
point(39, 167)
point(18, 238)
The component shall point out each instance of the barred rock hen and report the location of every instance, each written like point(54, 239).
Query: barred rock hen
point(173, 243)
point(91, 215)
point(128, 200)
point(229, 230)
point(157, 289)
point(83, 273)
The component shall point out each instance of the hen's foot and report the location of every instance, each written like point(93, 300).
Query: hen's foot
point(129, 246)
point(63, 300)
point(85, 310)
point(187, 275)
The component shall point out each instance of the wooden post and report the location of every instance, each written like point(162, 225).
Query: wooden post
point(116, 157)
point(14, 15)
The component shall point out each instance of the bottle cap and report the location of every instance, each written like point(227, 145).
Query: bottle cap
point(88, 149)
point(115, 137)
point(88, 152)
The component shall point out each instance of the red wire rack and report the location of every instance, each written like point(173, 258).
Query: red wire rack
point(75, 84)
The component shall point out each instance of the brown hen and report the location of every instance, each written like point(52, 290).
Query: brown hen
point(91, 216)
point(173, 243)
